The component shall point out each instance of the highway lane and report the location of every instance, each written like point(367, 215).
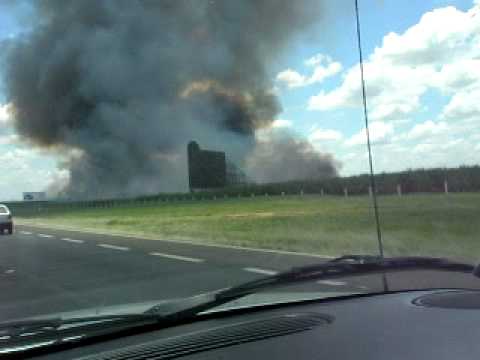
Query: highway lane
point(239, 257)
point(49, 270)
point(45, 270)
point(42, 275)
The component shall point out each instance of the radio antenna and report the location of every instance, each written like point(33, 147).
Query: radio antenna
point(373, 185)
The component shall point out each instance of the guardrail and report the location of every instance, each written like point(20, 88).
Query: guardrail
point(35, 208)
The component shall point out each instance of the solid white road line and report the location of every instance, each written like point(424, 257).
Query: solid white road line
point(260, 271)
point(25, 232)
point(177, 257)
point(45, 235)
point(113, 247)
point(332, 282)
point(73, 240)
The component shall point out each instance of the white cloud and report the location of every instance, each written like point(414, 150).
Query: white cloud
point(464, 105)
point(280, 123)
point(19, 156)
point(318, 59)
point(277, 126)
point(29, 180)
point(320, 73)
point(323, 67)
point(438, 151)
point(291, 78)
point(9, 139)
point(379, 132)
point(452, 144)
point(427, 144)
point(426, 129)
point(325, 135)
point(439, 36)
point(5, 116)
point(393, 92)
point(26, 169)
point(440, 52)
point(424, 148)
point(460, 75)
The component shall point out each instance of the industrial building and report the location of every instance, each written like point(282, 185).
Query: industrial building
point(209, 169)
point(206, 169)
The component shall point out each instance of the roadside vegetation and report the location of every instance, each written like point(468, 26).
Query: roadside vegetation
point(421, 224)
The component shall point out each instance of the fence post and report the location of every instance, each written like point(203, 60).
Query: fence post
point(399, 190)
point(345, 191)
point(370, 191)
point(445, 186)
point(322, 192)
point(301, 192)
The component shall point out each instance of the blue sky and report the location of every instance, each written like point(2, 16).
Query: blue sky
point(379, 17)
point(416, 59)
point(422, 64)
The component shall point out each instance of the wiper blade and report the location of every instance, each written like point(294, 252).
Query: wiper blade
point(345, 266)
point(358, 258)
point(21, 327)
point(17, 328)
point(22, 336)
point(351, 265)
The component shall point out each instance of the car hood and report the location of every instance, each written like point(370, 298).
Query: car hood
point(254, 300)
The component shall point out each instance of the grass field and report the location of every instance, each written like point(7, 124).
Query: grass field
point(444, 225)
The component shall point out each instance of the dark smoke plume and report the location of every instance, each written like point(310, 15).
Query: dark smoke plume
point(121, 86)
point(283, 157)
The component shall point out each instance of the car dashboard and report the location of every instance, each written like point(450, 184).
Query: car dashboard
point(437, 324)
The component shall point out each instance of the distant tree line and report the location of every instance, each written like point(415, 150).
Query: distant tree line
point(461, 179)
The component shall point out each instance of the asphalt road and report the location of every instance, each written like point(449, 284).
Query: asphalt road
point(48, 270)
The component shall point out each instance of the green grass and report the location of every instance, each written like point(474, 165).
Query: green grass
point(442, 225)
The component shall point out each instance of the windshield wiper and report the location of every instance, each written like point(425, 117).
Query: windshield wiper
point(31, 335)
point(349, 265)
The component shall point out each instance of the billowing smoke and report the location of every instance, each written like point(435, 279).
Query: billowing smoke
point(121, 86)
point(285, 158)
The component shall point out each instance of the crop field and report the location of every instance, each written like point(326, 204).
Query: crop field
point(421, 224)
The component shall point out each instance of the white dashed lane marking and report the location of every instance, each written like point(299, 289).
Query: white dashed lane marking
point(45, 235)
point(114, 247)
point(177, 257)
point(332, 282)
point(70, 338)
point(75, 241)
point(25, 232)
point(260, 271)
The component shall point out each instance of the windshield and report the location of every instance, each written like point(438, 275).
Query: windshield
point(157, 150)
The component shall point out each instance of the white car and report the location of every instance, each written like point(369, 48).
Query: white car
point(6, 221)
